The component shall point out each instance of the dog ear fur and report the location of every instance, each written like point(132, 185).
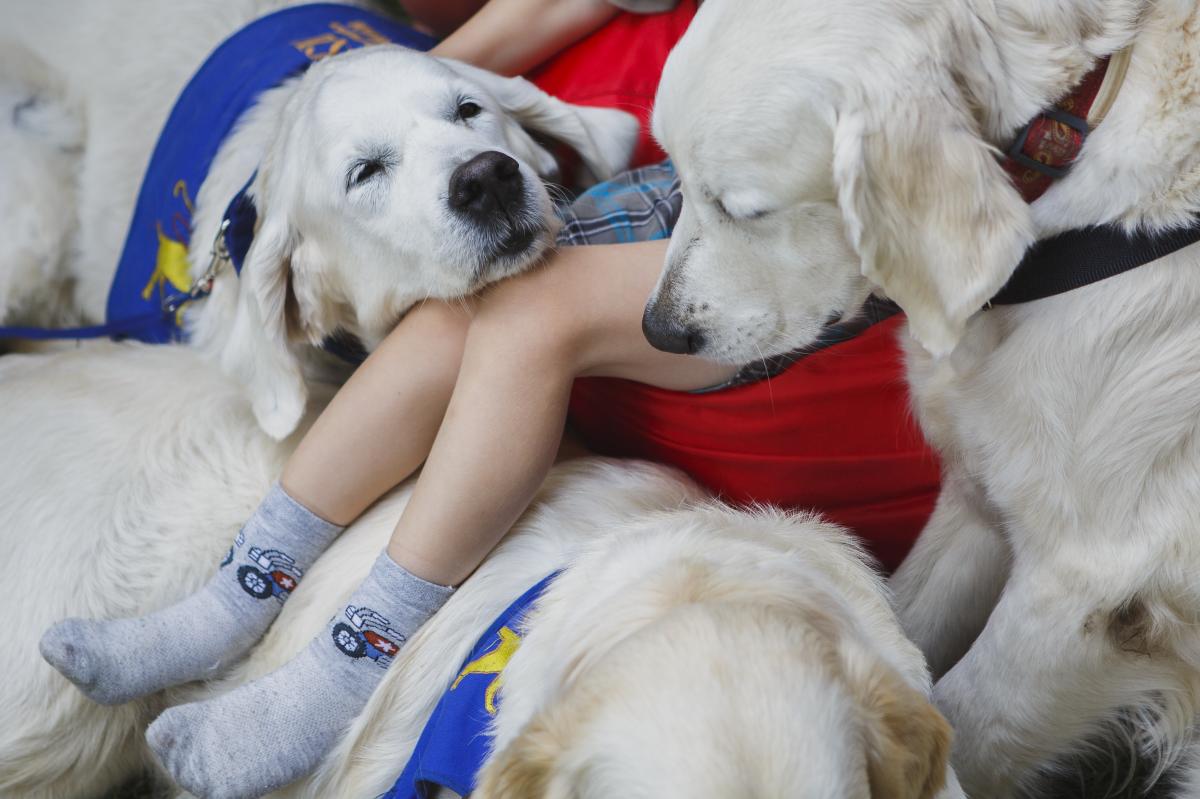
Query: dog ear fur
point(936, 221)
point(603, 137)
point(907, 739)
point(258, 353)
point(528, 768)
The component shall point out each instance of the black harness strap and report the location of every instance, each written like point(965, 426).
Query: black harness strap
point(1077, 258)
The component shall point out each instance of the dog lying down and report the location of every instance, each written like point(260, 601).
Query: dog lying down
point(382, 177)
point(388, 177)
point(687, 648)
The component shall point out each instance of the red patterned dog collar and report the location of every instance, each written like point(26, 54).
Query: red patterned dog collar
point(1050, 143)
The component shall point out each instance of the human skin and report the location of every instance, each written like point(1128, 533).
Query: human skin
point(478, 391)
point(508, 36)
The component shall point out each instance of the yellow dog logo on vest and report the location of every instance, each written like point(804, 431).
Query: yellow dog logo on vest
point(492, 663)
point(171, 264)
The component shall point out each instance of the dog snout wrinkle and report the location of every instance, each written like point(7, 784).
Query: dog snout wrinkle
point(487, 187)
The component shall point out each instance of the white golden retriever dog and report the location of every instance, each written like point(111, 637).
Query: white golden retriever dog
point(687, 649)
point(831, 149)
point(363, 170)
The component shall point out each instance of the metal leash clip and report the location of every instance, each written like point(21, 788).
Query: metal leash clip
point(202, 286)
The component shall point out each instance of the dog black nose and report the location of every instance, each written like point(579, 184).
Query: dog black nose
point(487, 185)
point(665, 332)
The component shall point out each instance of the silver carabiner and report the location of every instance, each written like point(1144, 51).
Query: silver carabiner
point(201, 286)
point(220, 257)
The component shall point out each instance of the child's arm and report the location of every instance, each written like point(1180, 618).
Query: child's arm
point(513, 36)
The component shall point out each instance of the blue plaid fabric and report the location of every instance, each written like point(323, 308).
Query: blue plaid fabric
point(638, 205)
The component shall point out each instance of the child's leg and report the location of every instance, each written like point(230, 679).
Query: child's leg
point(374, 434)
point(530, 338)
point(380, 425)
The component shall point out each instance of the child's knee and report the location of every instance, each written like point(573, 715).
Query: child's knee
point(533, 317)
point(443, 319)
point(441, 327)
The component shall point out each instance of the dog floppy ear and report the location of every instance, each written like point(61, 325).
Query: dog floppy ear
point(603, 137)
point(530, 766)
point(934, 218)
point(907, 740)
point(257, 352)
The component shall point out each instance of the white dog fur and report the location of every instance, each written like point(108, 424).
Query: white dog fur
point(129, 468)
point(330, 254)
point(38, 149)
point(854, 151)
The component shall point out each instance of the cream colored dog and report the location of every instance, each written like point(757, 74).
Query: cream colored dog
point(828, 150)
point(354, 163)
point(687, 649)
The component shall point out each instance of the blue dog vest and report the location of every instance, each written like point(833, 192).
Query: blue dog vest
point(152, 279)
point(457, 738)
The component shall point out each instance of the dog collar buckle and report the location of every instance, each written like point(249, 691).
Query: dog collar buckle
point(1051, 162)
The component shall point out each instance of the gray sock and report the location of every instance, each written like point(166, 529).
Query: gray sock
point(276, 729)
point(115, 661)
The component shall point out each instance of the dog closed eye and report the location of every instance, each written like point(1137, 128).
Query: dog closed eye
point(739, 216)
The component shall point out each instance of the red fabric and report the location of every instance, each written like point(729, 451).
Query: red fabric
point(832, 434)
point(618, 67)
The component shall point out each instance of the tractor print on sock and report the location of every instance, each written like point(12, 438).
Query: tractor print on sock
point(368, 635)
point(237, 544)
point(270, 573)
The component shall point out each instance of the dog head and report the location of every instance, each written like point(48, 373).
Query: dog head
point(393, 177)
point(721, 702)
point(825, 150)
point(682, 659)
